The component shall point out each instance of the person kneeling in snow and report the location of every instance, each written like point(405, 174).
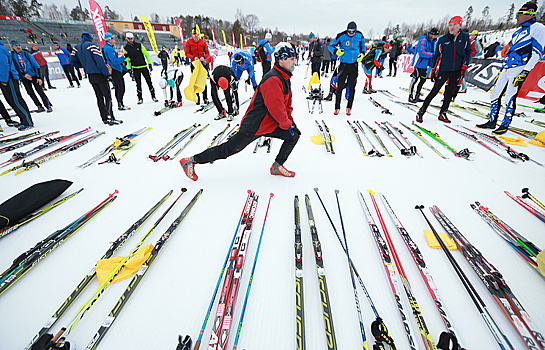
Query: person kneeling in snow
point(269, 114)
point(173, 79)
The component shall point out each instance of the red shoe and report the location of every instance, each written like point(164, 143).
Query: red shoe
point(348, 111)
point(443, 117)
point(336, 112)
point(277, 169)
point(189, 168)
point(179, 104)
point(419, 116)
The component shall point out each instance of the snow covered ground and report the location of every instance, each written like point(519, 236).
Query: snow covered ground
point(175, 293)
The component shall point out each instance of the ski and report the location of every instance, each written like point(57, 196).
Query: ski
point(456, 115)
point(390, 271)
point(328, 136)
point(374, 151)
point(124, 147)
point(408, 105)
point(108, 322)
point(419, 135)
point(387, 93)
point(35, 163)
point(374, 132)
point(48, 142)
point(404, 151)
point(299, 295)
point(26, 261)
point(4, 141)
point(536, 122)
point(322, 132)
point(364, 152)
point(496, 285)
point(26, 142)
point(324, 295)
point(537, 212)
point(179, 137)
point(37, 214)
point(411, 148)
point(215, 139)
point(475, 139)
point(174, 138)
point(195, 134)
point(471, 110)
point(527, 195)
point(462, 154)
point(378, 105)
point(114, 247)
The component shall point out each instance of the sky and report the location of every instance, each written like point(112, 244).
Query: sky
point(324, 17)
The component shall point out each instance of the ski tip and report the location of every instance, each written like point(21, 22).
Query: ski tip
point(337, 191)
point(316, 189)
point(371, 192)
point(419, 207)
point(184, 189)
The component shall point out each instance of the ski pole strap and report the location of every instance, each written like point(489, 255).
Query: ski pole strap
point(446, 339)
point(465, 153)
point(381, 334)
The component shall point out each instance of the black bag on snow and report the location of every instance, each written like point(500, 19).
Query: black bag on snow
point(13, 210)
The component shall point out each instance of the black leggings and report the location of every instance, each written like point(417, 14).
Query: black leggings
point(419, 74)
point(70, 75)
point(137, 72)
point(119, 85)
point(30, 86)
point(240, 140)
point(451, 78)
point(12, 95)
point(348, 73)
point(44, 72)
point(103, 95)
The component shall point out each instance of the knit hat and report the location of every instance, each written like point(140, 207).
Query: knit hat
point(239, 59)
point(434, 31)
point(129, 35)
point(352, 27)
point(456, 19)
point(283, 51)
point(475, 32)
point(33, 44)
point(108, 36)
point(14, 42)
point(289, 38)
point(86, 36)
point(223, 83)
point(528, 8)
point(311, 35)
point(268, 36)
point(56, 43)
point(387, 46)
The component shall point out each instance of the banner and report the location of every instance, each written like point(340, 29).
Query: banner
point(198, 29)
point(241, 45)
point(234, 42)
point(482, 72)
point(149, 30)
point(404, 63)
point(224, 39)
point(534, 85)
point(98, 21)
point(11, 18)
point(181, 31)
point(245, 43)
point(213, 37)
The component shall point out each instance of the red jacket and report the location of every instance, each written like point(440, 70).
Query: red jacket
point(196, 49)
point(39, 57)
point(270, 107)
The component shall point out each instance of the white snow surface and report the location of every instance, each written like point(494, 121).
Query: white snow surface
point(174, 296)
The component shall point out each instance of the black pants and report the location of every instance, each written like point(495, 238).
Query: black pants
point(393, 63)
point(30, 86)
point(70, 75)
point(4, 112)
point(240, 140)
point(103, 95)
point(333, 64)
point(451, 78)
point(119, 85)
point(228, 97)
point(348, 74)
point(165, 67)
point(325, 66)
point(44, 72)
point(205, 92)
point(13, 96)
point(419, 74)
point(315, 67)
point(137, 72)
point(266, 67)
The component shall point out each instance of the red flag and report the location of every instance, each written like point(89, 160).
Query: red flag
point(245, 43)
point(181, 30)
point(234, 42)
point(98, 21)
point(213, 36)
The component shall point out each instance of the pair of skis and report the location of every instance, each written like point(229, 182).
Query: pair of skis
point(162, 153)
point(398, 138)
point(465, 153)
point(263, 142)
point(538, 211)
point(423, 139)
point(324, 131)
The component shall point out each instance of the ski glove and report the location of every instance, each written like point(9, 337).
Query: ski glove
point(150, 67)
point(247, 81)
point(294, 130)
point(462, 74)
point(339, 52)
point(360, 57)
point(519, 80)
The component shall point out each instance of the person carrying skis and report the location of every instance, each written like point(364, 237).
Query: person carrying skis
point(197, 49)
point(173, 80)
point(137, 56)
point(421, 60)
point(372, 60)
point(29, 71)
point(269, 114)
point(223, 77)
point(88, 55)
point(351, 51)
point(264, 53)
point(115, 63)
point(526, 49)
point(449, 65)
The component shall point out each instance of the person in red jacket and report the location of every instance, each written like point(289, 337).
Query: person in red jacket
point(269, 114)
point(197, 49)
point(44, 69)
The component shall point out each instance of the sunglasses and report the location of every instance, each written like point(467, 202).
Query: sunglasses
point(351, 31)
point(531, 13)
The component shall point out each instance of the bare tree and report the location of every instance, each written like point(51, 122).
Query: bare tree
point(252, 22)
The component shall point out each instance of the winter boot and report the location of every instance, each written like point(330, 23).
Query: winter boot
point(366, 91)
point(501, 130)
point(336, 112)
point(40, 109)
point(10, 122)
point(348, 111)
point(140, 101)
point(178, 104)
point(220, 115)
point(154, 99)
point(372, 91)
point(277, 169)
point(49, 109)
point(443, 117)
point(420, 116)
point(329, 97)
point(189, 168)
point(184, 343)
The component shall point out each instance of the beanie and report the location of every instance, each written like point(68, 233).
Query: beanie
point(434, 31)
point(311, 35)
point(223, 83)
point(108, 36)
point(528, 8)
point(352, 26)
point(239, 59)
point(283, 51)
point(456, 19)
point(14, 42)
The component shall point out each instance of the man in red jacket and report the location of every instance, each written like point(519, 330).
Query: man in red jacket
point(269, 114)
point(44, 69)
point(197, 49)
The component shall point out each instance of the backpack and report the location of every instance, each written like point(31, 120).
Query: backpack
point(260, 54)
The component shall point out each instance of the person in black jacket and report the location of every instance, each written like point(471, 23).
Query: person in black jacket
point(316, 52)
point(394, 54)
point(223, 77)
point(137, 54)
point(163, 55)
point(449, 65)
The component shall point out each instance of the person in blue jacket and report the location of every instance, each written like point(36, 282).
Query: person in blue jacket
point(64, 57)
point(29, 71)
point(9, 84)
point(421, 60)
point(116, 64)
point(242, 61)
point(265, 54)
point(351, 51)
point(449, 65)
point(88, 55)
